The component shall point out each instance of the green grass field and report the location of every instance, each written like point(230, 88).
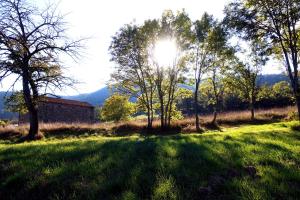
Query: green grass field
point(247, 162)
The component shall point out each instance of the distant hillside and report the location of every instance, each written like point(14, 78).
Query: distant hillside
point(98, 97)
point(3, 113)
point(95, 98)
point(271, 79)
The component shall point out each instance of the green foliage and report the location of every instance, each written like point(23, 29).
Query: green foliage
point(211, 92)
point(3, 123)
point(176, 114)
point(293, 115)
point(255, 20)
point(116, 108)
point(265, 92)
point(98, 113)
point(15, 103)
point(161, 167)
point(243, 81)
point(165, 189)
point(206, 93)
point(295, 126)
point(280, 92)
point(139, 74)
point(282, 89)
point(275, 26)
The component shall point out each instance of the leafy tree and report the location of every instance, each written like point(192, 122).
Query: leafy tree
point(176, 114)
point(243, 75)
point(116, 108)
point(214, 91)
point(199, 58)
point(15, 103)
point(243, 79)
point(210, 52)
point(133, 74)
point(274, 23)
point(282, 90)
point(167, 78)
point(98, 113)
point(221, 55)
point(279, 94)
point(30, 43)
point(265, 94)
point(137, 72)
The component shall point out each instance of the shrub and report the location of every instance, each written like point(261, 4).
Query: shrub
point(116, 108)
point(292, 115)
point(3, 123)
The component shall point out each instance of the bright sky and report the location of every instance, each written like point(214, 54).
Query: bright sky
point(100, 20)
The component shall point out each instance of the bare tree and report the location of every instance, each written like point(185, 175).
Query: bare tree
point(30, 43)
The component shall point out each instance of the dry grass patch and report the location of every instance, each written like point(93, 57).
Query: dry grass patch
point(139, 126)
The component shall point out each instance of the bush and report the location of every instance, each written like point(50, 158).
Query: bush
point(3, 123)
point(292, 115)
point(116, 108)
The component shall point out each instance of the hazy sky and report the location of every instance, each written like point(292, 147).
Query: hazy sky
point(100, 20)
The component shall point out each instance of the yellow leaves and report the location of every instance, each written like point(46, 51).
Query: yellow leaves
point(116, 108)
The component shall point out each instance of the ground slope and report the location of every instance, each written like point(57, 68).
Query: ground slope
point(249, 162)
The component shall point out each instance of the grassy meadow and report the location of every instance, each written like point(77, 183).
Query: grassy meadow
point(245, 162)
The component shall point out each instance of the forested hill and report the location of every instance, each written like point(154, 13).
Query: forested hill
point(95, 98)
point(3, 113)
point(271, 79)
point(98, 97)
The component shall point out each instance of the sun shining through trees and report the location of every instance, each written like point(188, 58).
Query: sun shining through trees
point(188, 112)
point(165, 52)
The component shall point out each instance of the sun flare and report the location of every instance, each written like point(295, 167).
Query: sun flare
point(165, 52)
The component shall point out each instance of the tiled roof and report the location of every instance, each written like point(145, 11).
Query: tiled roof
point(66, 102)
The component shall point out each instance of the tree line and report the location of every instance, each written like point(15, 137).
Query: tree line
point(208, 61)
point(32, 39)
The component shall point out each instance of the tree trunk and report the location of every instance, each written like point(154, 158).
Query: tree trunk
point(162, 124)
point(252, 111)
point(296, 91)
point(162, 114)
point(149, 125)
point(215, 116)
point(151, 115)
point(151, 109)
point(34, 124)
point(198, 129)
point(298, 105)
point(31, 106)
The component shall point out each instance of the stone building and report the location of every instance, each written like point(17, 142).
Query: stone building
point(62, 110)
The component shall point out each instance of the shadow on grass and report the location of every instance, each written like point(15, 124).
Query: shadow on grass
point(127, 130)
point(172, 167)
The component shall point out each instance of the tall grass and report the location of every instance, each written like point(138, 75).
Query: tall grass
point(186, 125)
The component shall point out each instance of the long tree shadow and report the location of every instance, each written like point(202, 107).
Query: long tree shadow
point(173, 167)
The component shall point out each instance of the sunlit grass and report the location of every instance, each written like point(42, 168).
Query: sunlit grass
point(156, 167)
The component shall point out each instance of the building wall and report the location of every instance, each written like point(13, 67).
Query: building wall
point(55, 112)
